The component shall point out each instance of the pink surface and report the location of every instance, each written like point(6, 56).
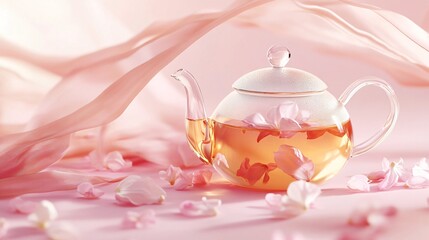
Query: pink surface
point(243, 215)
point(217, 60)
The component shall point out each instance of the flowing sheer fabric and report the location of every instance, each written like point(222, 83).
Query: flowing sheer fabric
point(63, 113)
point(375, 36)
point(77, 98)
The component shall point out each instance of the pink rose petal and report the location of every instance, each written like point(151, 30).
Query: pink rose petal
point(421, 169)
point(112, 161)
point(87, 190)
point(285, 110)
point(220, 161)
point(171, 174)
point(303, 116)
point(359, 183)
point(201, 177)
point(20, 205)
point(138, 191)
point(304, 193)
point(291, 161)
point(389, 181)
point(300, 197)
point(138, 220)
point(417, 182)
point(285, 117)
point(4, 227)
point(115, 162)
point(288, 128)
point(376, 176)
point(394, 172)
point(183, 182)
point(305, 171)
point(253, 173)
point(385, 164)
point(44, 214)
point(256, 120)
point(204, 208)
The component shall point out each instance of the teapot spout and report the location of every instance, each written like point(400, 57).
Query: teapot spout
point(195, 109)
point(197, 124)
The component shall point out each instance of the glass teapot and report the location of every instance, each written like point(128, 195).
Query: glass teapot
point(279, 125)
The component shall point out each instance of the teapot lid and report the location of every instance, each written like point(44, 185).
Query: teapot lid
point(279, 79)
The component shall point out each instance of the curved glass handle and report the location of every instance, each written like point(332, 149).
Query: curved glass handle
point(391, 119)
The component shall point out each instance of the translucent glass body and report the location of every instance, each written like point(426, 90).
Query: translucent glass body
point(328, 148)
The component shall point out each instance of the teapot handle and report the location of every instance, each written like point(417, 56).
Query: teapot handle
point(391, 119)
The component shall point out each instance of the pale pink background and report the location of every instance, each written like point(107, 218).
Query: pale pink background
point(220, 58)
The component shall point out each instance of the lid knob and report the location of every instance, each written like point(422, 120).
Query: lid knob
point(278, 56)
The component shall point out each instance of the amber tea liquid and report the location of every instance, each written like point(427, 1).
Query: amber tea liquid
point(327, 147)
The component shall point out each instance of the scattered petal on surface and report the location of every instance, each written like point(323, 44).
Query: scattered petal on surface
point(44, 214)
point(300, 197)
point(394, 172)
point(20, 205)
point(291, 161)
point(419, 177)
point(204, 208)
point(171, 174)
point(62, 231)
point(136, 190)
point(183, 182)
point(4, 227)
point(370, 216)
point(112, 161)
point(115, 162)
point(304, 193)
point(139, 219)
point(87, 190)
point(252, 173)
point(417, 182)
point(421, 169)
point(376, 176)
point(359, 183)
point(201, 177)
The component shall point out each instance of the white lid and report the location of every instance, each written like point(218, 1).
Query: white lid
point(279, 79)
